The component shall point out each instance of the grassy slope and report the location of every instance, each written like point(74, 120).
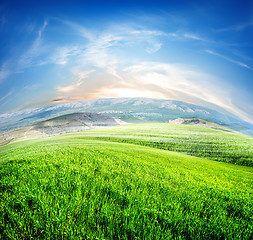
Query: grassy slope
point(72, 186)
point(193, 140)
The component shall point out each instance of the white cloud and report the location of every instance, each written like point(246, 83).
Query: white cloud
point(6, 96)
point(147, 32)
point(28, 58)
point(71, 88)
point(97, 51)
point(128, 92)
point(100, 50)
point(42, 29)
point(229, 59)
point(171, 77)
point(181, 83)
point(174, 35)
point(152, 49)
point(62, 54)
point(82, 31)
point(192, 36)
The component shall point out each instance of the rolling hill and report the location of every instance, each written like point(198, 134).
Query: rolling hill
point(140, 181)
point(182, 178)
point(64, 124)
point(76, 122)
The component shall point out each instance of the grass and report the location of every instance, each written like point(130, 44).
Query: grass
point(192, 140)
point(84, 186)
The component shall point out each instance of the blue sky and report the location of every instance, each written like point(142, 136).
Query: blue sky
point(200, 52)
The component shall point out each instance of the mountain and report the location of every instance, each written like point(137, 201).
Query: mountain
point(64, 124)
point(75, 122)
point(131, 110)
point(200, 123)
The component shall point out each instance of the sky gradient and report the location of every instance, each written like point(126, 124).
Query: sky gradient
point(199, 52)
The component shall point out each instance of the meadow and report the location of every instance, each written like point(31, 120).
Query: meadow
point(193, 140)
point(128, 182)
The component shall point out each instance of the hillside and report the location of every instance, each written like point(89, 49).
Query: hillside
point(133, 110)
point(200, 123)
point(75, 122)
point(192, 136)
point(218, 145)
point(102, 184)
point(64, 124)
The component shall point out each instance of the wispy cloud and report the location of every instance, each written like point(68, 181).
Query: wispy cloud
point(242, 55)
point(156, 47)
point(81, 30)
point(99, 50)
point(181, 83)
point(42, 29)
point(71, 88)
point(28, 58)
point(237, 27)
point(148, 32)
point(192, 36)
point(156, 80)
point(6, 96)
point(62, 54)
point(151, 37)
point(106, 92)
point(172, 78)
point(4, 72)
point(66, 99)
point(241, 64)
point(96, 50)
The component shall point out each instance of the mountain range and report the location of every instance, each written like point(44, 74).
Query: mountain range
point(131, 110)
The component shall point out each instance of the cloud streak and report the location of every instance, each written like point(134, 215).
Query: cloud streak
point(28, 58)
point(241, 64)
point(237, 27)
point(4, 72)
point(2, 99)
point(62, 55)
point(81, 30)
point(71, 88)
point(192, 36)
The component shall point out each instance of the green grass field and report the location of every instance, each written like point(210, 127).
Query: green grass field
point(102, 184)
point(193, 140)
